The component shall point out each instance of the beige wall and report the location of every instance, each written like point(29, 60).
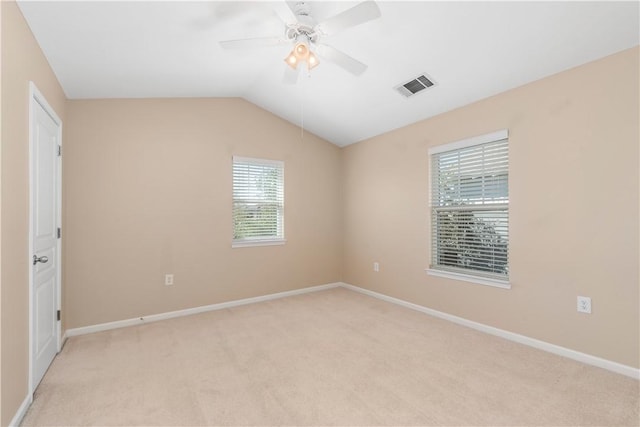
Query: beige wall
point(573, 210)
point(22, 61)
point(147, 189)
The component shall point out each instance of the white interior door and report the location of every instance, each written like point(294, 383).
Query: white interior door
point(45, 244)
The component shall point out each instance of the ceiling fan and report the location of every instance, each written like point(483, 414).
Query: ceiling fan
point(305, 34)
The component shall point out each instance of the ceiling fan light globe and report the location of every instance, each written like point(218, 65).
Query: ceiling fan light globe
point(301, 50)
point(291, 60)
point(312, 61)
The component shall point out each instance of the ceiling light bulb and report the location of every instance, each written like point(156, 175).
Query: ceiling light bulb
point(302, 53)
point(302, 50)
point(312, 61)
point(291, 60)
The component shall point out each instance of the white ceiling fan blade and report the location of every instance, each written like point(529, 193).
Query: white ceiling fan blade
point(252, 43)
point(341, 59)
point(358, 14)
point(290, 75)
point(286, 11)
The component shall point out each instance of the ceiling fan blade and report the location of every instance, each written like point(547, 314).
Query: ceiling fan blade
point(288, 13)
point(290, 75)
point(341, 59)
point(358, 14)
point(252, 43)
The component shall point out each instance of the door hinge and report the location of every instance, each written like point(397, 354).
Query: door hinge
point(59, 150)
point(59, 232)
point(58, 315)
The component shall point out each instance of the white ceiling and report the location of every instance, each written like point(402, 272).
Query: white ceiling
point(472, 50)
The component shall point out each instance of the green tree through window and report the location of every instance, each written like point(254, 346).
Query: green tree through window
point(470, 208)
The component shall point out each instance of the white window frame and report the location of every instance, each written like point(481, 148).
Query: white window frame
point(260, 241)
point(464, 275)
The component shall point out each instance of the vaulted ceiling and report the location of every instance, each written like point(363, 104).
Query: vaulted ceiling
point(471, 50)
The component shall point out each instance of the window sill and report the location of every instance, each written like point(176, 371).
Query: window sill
point(503, 284)
point(250, 243)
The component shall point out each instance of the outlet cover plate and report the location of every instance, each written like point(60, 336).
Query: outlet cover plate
point(584, 305)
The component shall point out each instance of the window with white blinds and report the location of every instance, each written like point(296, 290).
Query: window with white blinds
point(258, 201)
point(470, 207)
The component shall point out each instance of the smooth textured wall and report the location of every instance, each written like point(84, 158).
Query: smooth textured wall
point(22, 61)
point(574, 196)
point(148, 191)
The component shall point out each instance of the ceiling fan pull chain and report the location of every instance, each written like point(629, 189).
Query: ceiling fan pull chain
point(302, 109)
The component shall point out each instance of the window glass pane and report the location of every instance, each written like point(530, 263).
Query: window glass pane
point(472, 240)
point(258, 199)
point(470, 216)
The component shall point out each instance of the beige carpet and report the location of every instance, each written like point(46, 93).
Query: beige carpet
point(334, 357)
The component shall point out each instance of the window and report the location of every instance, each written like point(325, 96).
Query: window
point(258, 202)
point(470, 210)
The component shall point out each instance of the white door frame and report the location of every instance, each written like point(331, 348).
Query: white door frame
point(35, 98)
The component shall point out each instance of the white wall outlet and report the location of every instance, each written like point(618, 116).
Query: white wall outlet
point(376, 267)
point(168, 279)
point(584, 305)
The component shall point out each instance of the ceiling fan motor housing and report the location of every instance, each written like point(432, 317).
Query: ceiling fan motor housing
point(305, 24)
point(302, 8)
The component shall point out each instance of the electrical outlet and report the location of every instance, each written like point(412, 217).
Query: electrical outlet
point(584, 305)
point(376, 267)
point(168, 279)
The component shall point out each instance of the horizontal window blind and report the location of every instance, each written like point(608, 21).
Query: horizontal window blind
point(258, 199)
point(470, 209)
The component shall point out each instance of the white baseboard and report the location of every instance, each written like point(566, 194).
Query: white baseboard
point(22, 411)
point(522, 339)
point(512, 336)
point(189, 311)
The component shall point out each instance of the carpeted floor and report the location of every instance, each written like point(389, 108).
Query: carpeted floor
point(333, 357)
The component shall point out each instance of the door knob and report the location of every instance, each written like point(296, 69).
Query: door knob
point(41, 259)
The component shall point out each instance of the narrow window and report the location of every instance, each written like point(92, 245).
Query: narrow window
point(258, 202)
point(470, 209)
